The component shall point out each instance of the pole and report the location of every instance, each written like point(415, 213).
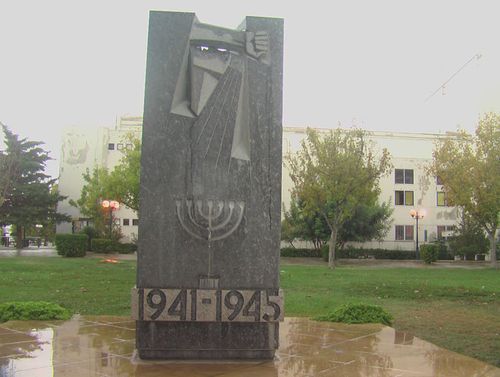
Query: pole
point(417, 253)
point(110, 221)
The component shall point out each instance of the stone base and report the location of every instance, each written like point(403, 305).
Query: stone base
point(206, 340)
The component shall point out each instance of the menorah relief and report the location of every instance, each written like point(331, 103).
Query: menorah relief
point(210, 220)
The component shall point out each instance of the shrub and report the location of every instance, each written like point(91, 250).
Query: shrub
point(104, 245)
point(293, 252)
point(469, 243)
point(358, 313)
point(91, 233)
point(71, 245)
point(32, 310)
point(444, 251)
point(127, 248)
point(429, 253)
point(355, 253)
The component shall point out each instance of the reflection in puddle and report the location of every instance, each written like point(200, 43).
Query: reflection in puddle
point(104, 346)
point(34, 352)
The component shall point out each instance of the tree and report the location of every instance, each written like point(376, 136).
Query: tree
point(469, 240)
point(124, 179)
point(95, 189)
point(333, 174)
point(29, 198)
point(121, 184)
point(469, 168)
point(298, 224)
point(369, 221)
point(6, 173)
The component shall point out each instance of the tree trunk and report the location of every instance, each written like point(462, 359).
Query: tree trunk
point(331, 248)
point(19, 237)
point(493, 249)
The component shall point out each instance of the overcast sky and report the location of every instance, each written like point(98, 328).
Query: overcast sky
point(366, 63)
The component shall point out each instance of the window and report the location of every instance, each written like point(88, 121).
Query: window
point(399, 176)
point(404, 232)
point(130, 147)
point(403, 198)
point(403, 176)
point(400, 232)
point(119, 146)
point(409, 198)
point(441, 199)
point(126, 222)
point(400, 198)
point(409, 232)
point(111, 147)
point(135, 222)
point(444, 228)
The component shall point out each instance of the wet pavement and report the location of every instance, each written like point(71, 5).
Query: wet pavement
point(104, 346)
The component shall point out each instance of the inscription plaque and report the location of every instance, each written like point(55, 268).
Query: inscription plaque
point(206, 305)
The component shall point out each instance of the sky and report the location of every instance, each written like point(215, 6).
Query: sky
point(369, 64)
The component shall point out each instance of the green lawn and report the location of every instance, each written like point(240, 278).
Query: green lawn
point(455, 308)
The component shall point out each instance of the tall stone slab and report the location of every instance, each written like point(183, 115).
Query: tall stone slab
point(209, 221)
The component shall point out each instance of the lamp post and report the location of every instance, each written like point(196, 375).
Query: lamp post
point(110, 205)
point(417, 214)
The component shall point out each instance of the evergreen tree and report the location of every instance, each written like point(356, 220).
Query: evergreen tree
point(28, 198)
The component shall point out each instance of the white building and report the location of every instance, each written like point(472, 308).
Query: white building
point(406, 188)
point(86, 148)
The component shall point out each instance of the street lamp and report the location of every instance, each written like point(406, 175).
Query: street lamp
point(111, 205)
point(417, 214)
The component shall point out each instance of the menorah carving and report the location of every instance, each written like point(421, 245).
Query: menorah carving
point(210, 220)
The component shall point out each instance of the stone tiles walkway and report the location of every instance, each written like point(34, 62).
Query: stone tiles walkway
point(104, 346)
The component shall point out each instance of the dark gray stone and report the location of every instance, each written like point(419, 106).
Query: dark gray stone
point(210, 178)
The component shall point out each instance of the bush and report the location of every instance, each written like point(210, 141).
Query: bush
point(354, 253)
point(469, 243)
point(293, 252)
point(32, 310)
point(127, 248)
point(105, 245)
point(444, 252)
point(91, 233)
point(358, 313)
point(429, 252)
point(71, 245)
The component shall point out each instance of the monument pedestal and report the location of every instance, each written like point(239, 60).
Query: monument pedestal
point(206, 340)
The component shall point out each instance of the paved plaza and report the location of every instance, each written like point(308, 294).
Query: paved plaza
point(104, 346)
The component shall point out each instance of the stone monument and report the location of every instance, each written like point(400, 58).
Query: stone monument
point(209, 222)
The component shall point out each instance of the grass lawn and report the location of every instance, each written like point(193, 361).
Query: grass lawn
point(455, 308)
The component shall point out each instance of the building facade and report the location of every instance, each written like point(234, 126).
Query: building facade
point(86, 148)
point(406, 188)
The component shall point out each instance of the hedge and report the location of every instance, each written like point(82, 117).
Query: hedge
point(105, 245)
point(71, 245)
point(293, 252)
point(354, 253)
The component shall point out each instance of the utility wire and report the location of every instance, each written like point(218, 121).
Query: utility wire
point(477, 57)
